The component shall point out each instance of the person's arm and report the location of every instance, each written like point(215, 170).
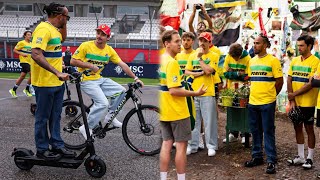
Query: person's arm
point(205, 67)
point(194, 74)
point(304, 89)
point(38, 57)
point(128, 71)
point(191, 18)
point(178, 91)
point(81, 64)
point(279, 84)
point(206, 16)
point(20, 53)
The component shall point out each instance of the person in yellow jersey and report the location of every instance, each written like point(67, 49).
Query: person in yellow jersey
point(235, 71)
point(23, 48)
point(174, 115)
point(265, 74)
point(187, 42)
point(91, 55)
point(203, 65)
point(301, 97)
point(47, 80)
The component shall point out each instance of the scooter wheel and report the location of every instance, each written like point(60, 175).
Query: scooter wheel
point(71, 111)
point(95, 167)
point(22, 164)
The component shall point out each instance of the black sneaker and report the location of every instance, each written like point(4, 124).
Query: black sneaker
point(271, 168)
point(48, 155)
point(254, 162)
point(307, 164)
point(65, 152)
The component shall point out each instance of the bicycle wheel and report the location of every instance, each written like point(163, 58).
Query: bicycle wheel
point(143, 140)
point(71, 120)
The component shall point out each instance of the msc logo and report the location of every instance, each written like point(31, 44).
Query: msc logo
point(137, 70)
point(118, 70)
point(2, 65)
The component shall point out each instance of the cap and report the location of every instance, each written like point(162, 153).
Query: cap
point(206, 35)
point(105, 29)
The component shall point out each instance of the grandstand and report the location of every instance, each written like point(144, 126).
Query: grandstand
point(134, 24)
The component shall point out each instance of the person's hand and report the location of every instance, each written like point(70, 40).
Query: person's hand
point(63, 76)
point(95, 68)
point(203, 9)
point(201, 90)
point(139, 81)
point(292, 105)
point(194, 8)
point(241, 72)
point(24, 55)
point(200, 52)
point(316, 76)
point(291, 96)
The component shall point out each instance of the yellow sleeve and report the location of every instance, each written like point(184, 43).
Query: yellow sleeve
point(173, 73)
point(80, 53)
point(290, 68)
point(189, 63)
point(226, 63)
point(249, 69)
point(318, 70)
point(314, 67)
point(114, 57)
point(276, 69)
point(40, 38)
point(19, 45)
point(247, 60)
point(214, 61)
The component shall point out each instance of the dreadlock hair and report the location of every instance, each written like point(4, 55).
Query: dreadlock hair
point(53, 9)
point(265, 40)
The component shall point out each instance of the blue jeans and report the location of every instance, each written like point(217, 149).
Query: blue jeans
point(98, 90)
point(261, 122)
point(206, 110)
point(49, 107)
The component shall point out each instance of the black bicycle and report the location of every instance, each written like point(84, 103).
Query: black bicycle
point(140, 128)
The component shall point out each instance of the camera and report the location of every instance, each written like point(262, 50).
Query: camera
point(198, 6)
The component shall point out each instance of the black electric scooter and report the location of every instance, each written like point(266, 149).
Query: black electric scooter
point(25, 159)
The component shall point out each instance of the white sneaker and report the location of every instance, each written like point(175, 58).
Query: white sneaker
point(243, 140)
point(190, 151)
point(201, 142)
point(211, 152)
point(231, 139)
point(116, 123)
point(82, 129)
point(296, 161)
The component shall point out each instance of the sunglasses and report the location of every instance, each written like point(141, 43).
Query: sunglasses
point(68, 17)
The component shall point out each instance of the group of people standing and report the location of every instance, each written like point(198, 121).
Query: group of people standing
point(180, 63)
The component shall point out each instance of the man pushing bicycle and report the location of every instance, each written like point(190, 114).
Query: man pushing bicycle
point(91, 55)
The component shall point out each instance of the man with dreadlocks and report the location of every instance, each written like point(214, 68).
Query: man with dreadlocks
point(47, 78)
point(265, 74)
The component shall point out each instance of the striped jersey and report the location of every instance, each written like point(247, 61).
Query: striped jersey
point(301, 71)
point(182, 59)
point(24, 47)
point(89, 52)
point(263, 72)
point(47, 38)
point(172, 107)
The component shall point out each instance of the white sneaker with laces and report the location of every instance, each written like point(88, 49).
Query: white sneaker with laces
point(190, 151)
point(231, 139)
point(296, 161)
point(211, 152)
point(308, 164)
point(82, 129)
point(116, 123)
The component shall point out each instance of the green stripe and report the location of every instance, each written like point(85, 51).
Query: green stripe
point(182, 62)
point(261, 68)
point(97, 57)
point(162, 75)
point(27, 47)
point(237, 66)
point(54, 41)
point(301, 68)
point(196, 62)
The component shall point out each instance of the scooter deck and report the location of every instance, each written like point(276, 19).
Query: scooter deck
point(63, 162)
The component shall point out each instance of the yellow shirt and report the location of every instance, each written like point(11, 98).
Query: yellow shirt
point(215, 49)
point(301, 71)
point(89, 52)
point(172, 107)
point(162, 51)
point(193, 65)
point(240, 65)
point(24, 47)
point(182, 59)
point(263, 72)
point(318, 101)
point(47, 38)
